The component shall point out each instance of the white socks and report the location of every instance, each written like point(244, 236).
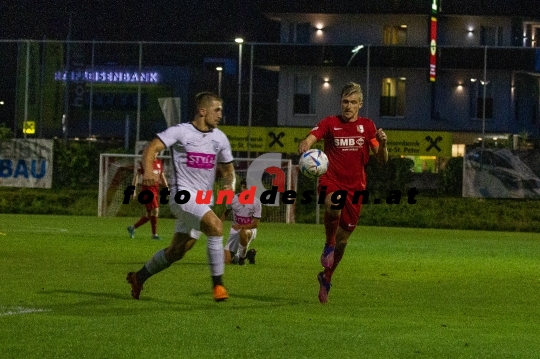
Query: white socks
point(216, 257)
point(157, 263)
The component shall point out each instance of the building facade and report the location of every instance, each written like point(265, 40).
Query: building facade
point(486, 77)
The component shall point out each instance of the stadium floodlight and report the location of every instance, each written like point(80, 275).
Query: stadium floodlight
point(239, 41)
point(219, 69)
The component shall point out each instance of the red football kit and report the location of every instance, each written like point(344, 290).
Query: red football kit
point(157, 170)
point(347, 146)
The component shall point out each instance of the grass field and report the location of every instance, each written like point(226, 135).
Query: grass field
point(398, 293)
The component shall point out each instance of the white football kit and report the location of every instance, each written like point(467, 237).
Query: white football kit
point(242, 214)
point(195, 155)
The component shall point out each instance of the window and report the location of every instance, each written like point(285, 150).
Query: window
point(395, 35)
point(393, 97)
point(491, 35)
point(458, 150)
point(303, 95)
point(476, 99)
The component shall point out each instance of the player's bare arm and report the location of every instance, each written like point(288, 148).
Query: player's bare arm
point(306, 144)
point(163, 180)
point(229, 177)
point(149, 155)
point(381, 152)
point(134, 183)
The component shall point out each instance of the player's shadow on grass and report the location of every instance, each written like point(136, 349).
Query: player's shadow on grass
point(102, 295)
point(139, 264)
point(107, 304)
point(276, 301)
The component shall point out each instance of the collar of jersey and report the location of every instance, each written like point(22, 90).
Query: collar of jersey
point(200, 130)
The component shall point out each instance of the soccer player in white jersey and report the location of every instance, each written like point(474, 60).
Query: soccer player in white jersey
point(198, 150)
point(243, 229)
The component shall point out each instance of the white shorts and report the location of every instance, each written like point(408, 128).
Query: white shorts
point(188, 215)
point(234, 240)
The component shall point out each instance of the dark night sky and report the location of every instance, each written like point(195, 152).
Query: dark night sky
point(155, 20)
point(203, 20)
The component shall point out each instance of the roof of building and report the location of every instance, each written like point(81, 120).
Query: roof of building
point(526, 8)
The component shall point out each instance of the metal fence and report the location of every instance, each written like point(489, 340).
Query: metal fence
point(103, 88)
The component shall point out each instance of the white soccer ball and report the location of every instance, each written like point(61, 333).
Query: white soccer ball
point(313, 163)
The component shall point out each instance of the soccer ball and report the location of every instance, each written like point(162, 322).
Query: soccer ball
point(313, 163)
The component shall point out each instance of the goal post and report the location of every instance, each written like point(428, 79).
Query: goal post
point(116, 173)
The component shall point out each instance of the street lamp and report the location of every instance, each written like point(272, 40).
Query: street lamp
point(239, 41)
point(220, 71)
point(355, 51)
point(484, 85)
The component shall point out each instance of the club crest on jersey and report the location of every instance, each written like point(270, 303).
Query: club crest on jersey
point(215, 145)
point(360, 128)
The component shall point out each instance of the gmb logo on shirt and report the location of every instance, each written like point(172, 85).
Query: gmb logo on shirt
point(346, 142)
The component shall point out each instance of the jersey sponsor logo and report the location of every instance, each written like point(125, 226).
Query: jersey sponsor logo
point(242, 220)
point(201, 160)
point(348, 142)
point(337, 128)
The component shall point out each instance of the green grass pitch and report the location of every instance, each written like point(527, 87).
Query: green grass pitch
point(398, 293)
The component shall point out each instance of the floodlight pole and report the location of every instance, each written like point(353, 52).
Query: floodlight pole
point(239, 41)
point(220, 71)
point(484, 98)
point(26, 85)
point(91, 102)
point(139, 91)
point(250, 113)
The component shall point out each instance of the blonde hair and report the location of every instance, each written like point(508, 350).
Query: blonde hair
point(351, 88)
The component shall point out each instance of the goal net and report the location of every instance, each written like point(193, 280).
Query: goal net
point(116, 172)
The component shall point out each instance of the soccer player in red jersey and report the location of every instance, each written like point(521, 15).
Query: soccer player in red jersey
point(348, 139)
point(152, 208)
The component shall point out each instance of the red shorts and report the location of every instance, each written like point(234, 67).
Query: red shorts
point(350, 213)
point(154, 202)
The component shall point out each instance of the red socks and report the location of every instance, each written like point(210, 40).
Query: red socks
point(140, 222)
point(153, 222)
point(330, 225)
point(338, 254)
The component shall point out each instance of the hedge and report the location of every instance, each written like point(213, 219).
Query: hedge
point(427, 212)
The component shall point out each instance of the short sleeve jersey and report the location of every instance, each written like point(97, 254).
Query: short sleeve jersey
point(157, 170)
point(347, 146)
point(244, 213)
point(195, 155)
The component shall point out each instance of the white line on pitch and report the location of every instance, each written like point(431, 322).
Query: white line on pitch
point(38, 229)
point(5, 311)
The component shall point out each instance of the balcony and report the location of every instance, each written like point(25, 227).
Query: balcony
point(505, 58)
